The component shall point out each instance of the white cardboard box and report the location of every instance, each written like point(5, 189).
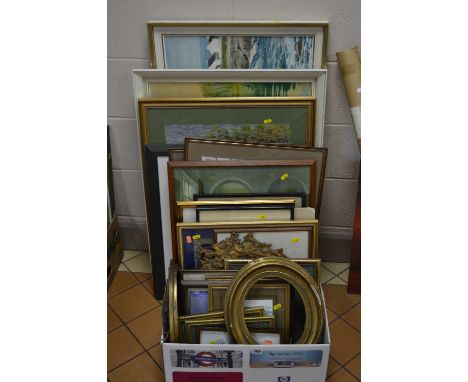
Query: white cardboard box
point(274, 363)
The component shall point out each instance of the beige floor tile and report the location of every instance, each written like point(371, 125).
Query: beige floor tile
point(354, 366)
point(113, 322)
point(139, 369)
point(156, 353)
point(336, 268)
point(133, 303)
point(325, 275)
point(147, 328)
point(121, 346)
point(123, 268)
point(140, 263)
point(342, 375)
point(129, 254)
point(336, 281)
point(345, 341)
point(122, 281)
point(344, 275)
point(143, 276)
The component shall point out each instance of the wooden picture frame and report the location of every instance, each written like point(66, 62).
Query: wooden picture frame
point(204, 149)
point(261, 84)
point(256, 120)
point(312, 266)
point(176, 154)
point(213, 43)
point(298, 197)
point(283, 233)
point(188, 328)
point(196, 206)
point(279, 175)
point(160, 245)
point(257, 334)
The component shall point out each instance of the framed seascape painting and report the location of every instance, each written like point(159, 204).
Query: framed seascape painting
point(238, 45)
point(203, 149)
point(279, 120)
point(172, 85)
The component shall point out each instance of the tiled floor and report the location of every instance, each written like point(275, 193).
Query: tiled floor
point(134, 324)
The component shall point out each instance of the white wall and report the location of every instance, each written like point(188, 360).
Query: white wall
point(128, 49)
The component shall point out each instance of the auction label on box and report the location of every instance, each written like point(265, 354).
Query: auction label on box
point(183, 376)
point(229, 359)
point(285, 359)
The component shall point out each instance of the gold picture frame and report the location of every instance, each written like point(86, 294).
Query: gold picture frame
point(278, 293)
point(282, 269)
point(237, 264)
point(189, 326)
point(274, 105)
point(289, 228)
point(195, 204)
point(253, 332)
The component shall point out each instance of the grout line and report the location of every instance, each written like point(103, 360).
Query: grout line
point(160, 367)
point(138, 254)
point(339, 368)
point(145, 350)
point(131, 359)
point(349, 371)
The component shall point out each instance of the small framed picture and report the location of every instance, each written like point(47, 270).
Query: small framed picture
point(218, 336)
point(274, 298)
point(190, 327)
point(196, 300)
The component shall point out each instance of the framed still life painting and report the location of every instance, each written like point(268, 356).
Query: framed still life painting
point(238, 45)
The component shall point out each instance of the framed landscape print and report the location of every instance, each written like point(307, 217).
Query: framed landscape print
point(239, 177)
point(296, 239)
point(181, 84)
point(238, 45)
point(203, 149)
point(279, 120)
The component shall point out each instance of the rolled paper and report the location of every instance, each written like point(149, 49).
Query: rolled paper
point(350, 65)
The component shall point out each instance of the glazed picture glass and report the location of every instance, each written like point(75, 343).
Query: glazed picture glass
point(239, 180)
point(249, 121)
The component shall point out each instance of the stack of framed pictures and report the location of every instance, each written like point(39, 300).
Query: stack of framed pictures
point(231, 135)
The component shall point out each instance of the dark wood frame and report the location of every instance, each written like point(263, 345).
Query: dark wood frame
point(302, 195)
point(176, 154)
point(171, 166)
point(256, 146)
point(153, 214)
point(354, 277)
